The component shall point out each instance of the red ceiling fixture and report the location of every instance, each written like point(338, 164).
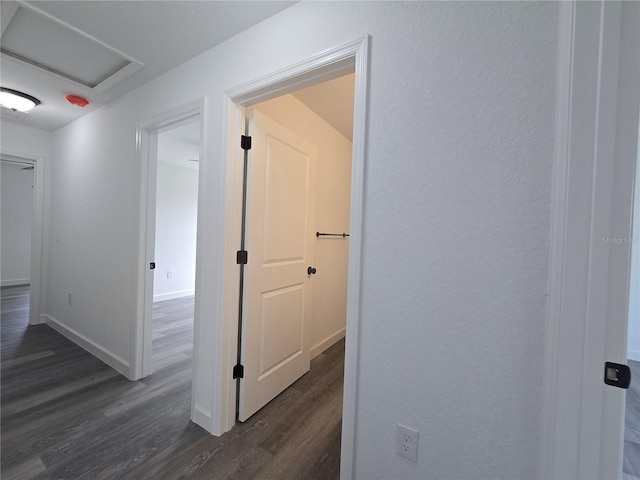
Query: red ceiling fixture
point(77, 100)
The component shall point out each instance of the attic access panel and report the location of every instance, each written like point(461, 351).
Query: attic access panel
point(39, 39)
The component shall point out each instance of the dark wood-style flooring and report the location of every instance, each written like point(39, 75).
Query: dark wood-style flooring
point(631, 462)
point(66, 415)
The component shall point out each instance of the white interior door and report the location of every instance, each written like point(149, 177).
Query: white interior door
point(279, 242)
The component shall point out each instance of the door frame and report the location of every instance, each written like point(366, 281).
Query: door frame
point(147, 154)
point(332, 63)
point(595, 154)
point(37, 280)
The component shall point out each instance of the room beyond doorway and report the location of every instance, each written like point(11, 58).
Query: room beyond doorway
point(631, 448)
point(329, 64)
point(169, 153)
point(298, 191)
point(34, 167)
point(17, 220)
point(176, 225)
point(176, 215)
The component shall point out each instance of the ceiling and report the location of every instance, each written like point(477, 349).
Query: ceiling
point(333, 101)
point(129, 43)
point(104, 49)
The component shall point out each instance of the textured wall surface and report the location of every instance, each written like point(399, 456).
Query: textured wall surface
point(22, 140)
point(456, 221)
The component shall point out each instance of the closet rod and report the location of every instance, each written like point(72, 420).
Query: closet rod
point(343, 235)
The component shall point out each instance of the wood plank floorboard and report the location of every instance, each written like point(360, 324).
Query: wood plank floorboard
point(631, 459)
point(65, 415)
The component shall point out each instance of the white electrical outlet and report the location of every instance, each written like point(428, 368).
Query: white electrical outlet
point(407, 442)
point(169, 274)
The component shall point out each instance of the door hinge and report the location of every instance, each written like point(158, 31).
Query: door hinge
point(245, 142)
point(152, 266)
point(242, 257)
point(617, 375)
point(238, 371)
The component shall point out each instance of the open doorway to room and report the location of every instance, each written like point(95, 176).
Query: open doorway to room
point(297, 226)
point(169, 151)
point(328, 65)
point(176, 206)
point(631, 457)
point(17, 205)
point(17, 218)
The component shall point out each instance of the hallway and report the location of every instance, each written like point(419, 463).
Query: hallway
point(66, 415)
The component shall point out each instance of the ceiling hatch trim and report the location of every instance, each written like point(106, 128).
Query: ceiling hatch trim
point(39, 39)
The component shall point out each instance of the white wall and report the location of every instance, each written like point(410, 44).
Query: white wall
point(16, 203)
point(456, 223)
point(24, 141)
point(333, 190)
point(633, 333)
point(176, 219)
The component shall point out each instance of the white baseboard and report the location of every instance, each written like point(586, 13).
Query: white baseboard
point(633, 355)
point(13, 283)
point(203, 418)
point(172, 295)
point(118, 364)
point(327, 342)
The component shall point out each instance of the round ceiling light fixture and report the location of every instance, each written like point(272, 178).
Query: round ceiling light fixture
point(17, 101)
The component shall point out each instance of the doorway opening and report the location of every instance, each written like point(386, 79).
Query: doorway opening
point(16, 176)
point(17, 219)
point(329, 65)
point(22, 231)
point(294, 295)
point(176, 216)
point(631, 450)
point(169, 151)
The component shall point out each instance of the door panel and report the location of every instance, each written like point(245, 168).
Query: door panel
point(277, 289)
point(281, 327)
point(286, 183)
